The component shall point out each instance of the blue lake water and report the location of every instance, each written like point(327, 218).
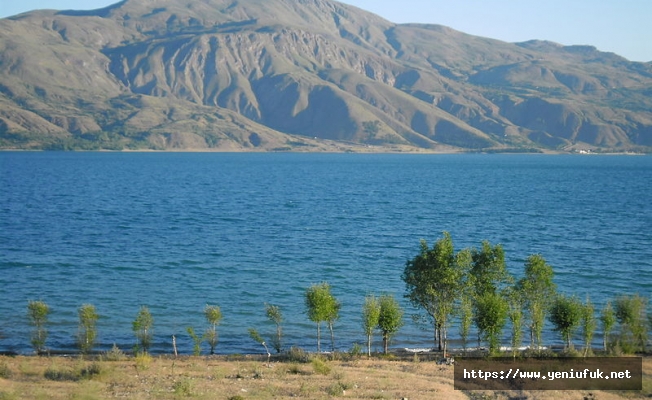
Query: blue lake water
point(175, 231)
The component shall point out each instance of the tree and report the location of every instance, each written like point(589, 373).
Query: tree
point(196, 341)
point(370, 315)
point(434, 280)
point(490, 318)
point(488, 273)
point(631, 315)
point(566, 315)
point(142, 327)
point(213, 315)
point(390, 319)
point(537, 290)
point(515, 316)
point(466, 319)
point(588, 325)
point(488, 270)
point(87, 328)
point(274, 314)
point(256, 337)
point(322, 307)
point(608, 320)
point(37, 312)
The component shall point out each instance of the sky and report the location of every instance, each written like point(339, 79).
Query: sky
point(619, 26)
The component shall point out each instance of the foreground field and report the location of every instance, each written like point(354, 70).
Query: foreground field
point(248, 378)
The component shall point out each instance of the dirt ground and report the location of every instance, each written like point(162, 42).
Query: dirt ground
point(223, 377)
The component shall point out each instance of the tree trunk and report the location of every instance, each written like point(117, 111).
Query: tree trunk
point(434, 343)
point(439, 332)
point(368, 345)
point(385, 342)
point(318, 338)
point(330, 327)
point(445, 340)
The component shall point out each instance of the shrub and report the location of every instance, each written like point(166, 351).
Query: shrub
point(5, 371)
point(90, 371)
point(297, 354)
point(115, 354)
point(183, 387)
point(320, 366)
point(57, 374)
point(143, 360)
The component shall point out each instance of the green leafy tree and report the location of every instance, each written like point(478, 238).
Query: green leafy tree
point(537, 290)
point(488, 270)
point(37, 312)
point(435, 280)
point(465, 312)
point(390, 319)
point(256, 337)
point(631, 315)
point(490, 317)
point(370, 315)
point(87, 333)
point(142, 327)
point(607, 320)
point(321, 307)
point(196, 341)
point(213, 315)
point(566, 315)
point(488, 273)
point(515, 316)
point(274, 314)
point(588, 325)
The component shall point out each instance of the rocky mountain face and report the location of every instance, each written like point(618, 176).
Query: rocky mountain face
point(310, 75)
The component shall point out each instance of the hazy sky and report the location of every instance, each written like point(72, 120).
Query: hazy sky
point(619, 26)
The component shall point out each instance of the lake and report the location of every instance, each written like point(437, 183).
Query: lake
point(177, 231)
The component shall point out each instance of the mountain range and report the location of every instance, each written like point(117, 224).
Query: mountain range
point(304, 75)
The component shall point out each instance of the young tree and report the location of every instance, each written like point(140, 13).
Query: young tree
point(566, 315)
point(370, 315)
point(37, 312)
point(631, 315)
point(488, 270)
point(465, 312)
point(608, 320)
point(196, 341)
point(490, 317)
point(256, 337)
point(537, 290)
point(434, 281)
point(588, 325)
point(87, 328)
point(213, 315)
point(488, 273)
point(390, 319)
point(515, 315)
point(142, 327)
point(322, 307)
point(274, 314)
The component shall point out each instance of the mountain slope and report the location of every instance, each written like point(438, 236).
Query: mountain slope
point(303, 75)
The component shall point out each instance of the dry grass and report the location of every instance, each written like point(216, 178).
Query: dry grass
point(248, 378)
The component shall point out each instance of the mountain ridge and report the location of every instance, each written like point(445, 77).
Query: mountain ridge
point(308, 75)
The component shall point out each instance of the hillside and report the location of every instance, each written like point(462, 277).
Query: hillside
point(309, 75)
